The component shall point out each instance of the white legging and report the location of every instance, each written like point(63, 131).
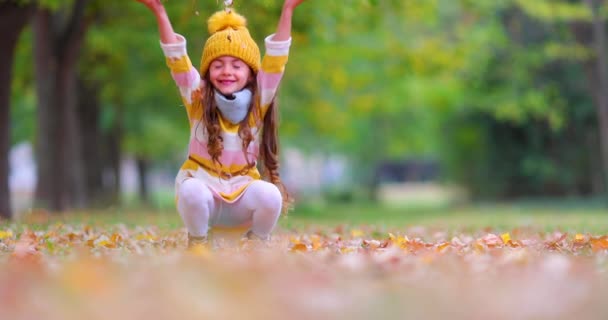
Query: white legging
point(259, 207)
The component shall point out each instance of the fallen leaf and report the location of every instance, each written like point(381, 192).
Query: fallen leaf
point(299, 247)
point(356, 233)
point(599, 244)
point(6, 234)
point(26, 248)
point(506, 237)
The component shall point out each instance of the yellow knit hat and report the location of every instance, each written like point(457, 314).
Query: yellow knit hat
point(229, 37)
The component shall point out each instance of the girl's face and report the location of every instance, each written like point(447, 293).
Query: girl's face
point(229, 74)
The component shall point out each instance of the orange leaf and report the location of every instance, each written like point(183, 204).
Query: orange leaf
point(299, 247)
point(598, 244)
point(115, 238)
point(316, 242)
point(26, 249)
point(442, 246)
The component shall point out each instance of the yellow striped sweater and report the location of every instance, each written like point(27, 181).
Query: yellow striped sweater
point(228, 185)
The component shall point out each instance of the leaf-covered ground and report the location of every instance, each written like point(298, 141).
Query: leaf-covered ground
point(67, 271)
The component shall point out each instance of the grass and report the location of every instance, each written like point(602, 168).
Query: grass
point(564, 216)
point(577, 217)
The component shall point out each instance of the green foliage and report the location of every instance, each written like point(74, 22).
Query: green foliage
point(23, 96)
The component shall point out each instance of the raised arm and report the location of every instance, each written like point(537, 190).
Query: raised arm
point(284, 26)
point(165, 29)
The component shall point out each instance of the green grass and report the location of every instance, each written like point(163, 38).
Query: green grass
point(546, 216)
point(582, 218)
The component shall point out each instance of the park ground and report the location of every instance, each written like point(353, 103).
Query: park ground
point(525, 260)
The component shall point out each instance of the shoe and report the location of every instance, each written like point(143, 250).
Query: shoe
point(250, 235)
point(197, 241)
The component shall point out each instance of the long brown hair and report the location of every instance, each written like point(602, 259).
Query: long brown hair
point(269, 146)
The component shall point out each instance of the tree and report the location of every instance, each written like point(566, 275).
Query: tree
point(58, 36)
point(600, 88)
point(13, 18)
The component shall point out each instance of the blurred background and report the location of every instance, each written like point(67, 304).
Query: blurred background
point(395, 102)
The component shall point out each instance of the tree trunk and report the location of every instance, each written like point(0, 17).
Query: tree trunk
point(595, 164)
point(88, 119)
point(142, 170)
point(13, 18)
point(112, 157)
point(601, 96)
point(59, 158)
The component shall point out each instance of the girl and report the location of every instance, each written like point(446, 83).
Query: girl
point(230, 106)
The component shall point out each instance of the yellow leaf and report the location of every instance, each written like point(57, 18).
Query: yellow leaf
point(6, 234)
point(401, 241)
point(316, 242)
point(346, 250)
point(104, 241)
point(294, 240)
point(116, 238)
point(200, 250)
point(145, 236)
point(506, 237)
point(442, 246)
point(356, 233)
point(579, 237)
point(478, 246)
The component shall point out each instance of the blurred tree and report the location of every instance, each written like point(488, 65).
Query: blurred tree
point(599, 81)
point(526, 126)
point(13, 18)
point(58, 37)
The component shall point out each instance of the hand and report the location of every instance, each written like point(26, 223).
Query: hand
point(292, 4)
point(284, 27)
point(152, 4)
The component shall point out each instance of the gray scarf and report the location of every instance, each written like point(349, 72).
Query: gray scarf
point(234, 108)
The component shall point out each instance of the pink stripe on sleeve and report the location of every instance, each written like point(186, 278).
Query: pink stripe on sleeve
point(185, 79)
point(269, 81)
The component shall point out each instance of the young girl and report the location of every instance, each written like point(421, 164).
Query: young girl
point(230, 106)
